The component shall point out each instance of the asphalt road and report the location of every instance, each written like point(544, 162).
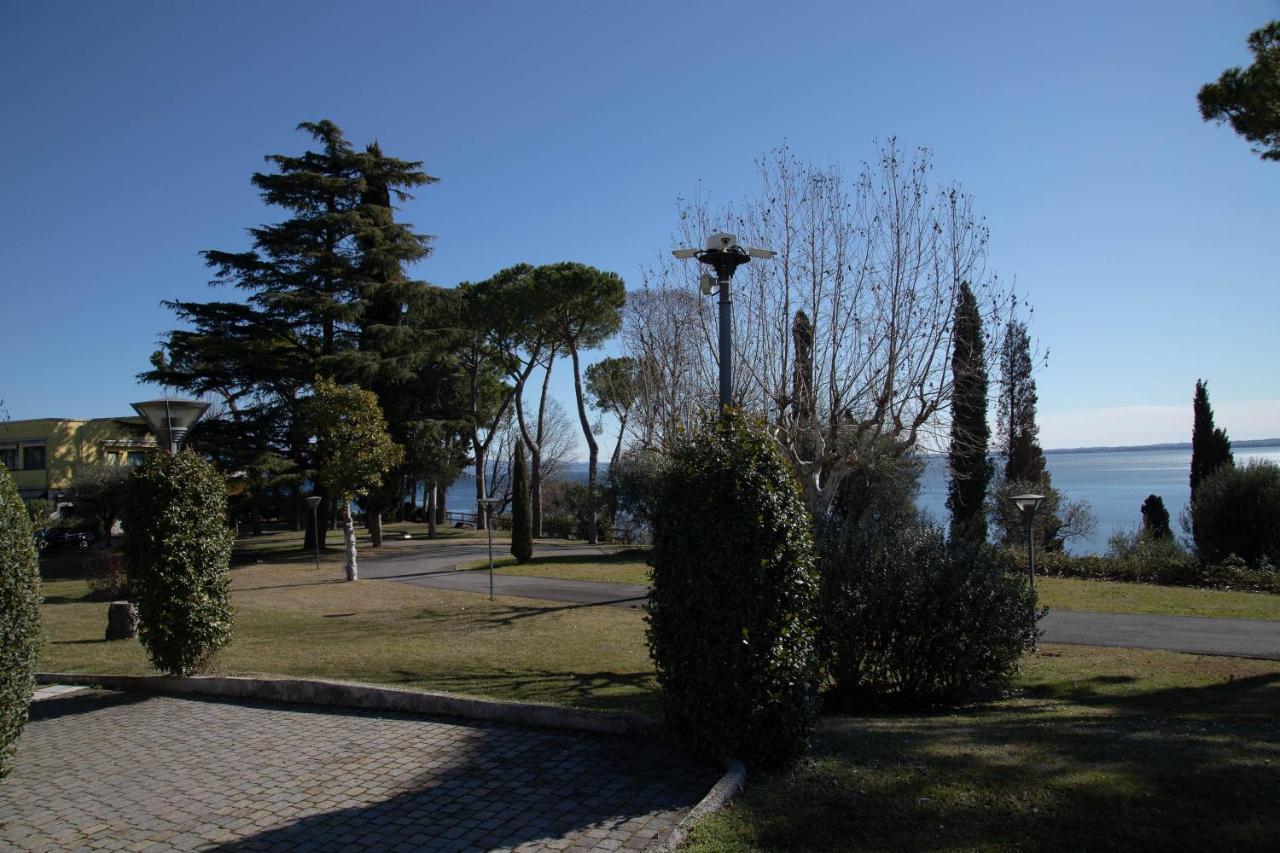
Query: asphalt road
point(434, 565)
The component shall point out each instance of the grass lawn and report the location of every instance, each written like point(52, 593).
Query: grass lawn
point(284, 543)
point(293, 620)
point(1098, 749)
point(622, 567)
point(1056, 593)
point(1116, 597)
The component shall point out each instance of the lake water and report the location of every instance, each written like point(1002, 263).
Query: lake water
point(1114, 482)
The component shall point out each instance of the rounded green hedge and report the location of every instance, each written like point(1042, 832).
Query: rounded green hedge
point(177, 556)
point(19, 616)
point(732, 607)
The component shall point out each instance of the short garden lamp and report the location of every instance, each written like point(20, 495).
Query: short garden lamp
point(313, 504)
point(169, 419)
point(487, 506)
point(1028, 504)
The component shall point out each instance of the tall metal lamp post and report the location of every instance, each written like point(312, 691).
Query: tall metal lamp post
point(313, 504)
point(1028, 504)
point(169, 419)
point(488, 505)
point(724, 256)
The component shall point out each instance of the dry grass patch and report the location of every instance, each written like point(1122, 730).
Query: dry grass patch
point(291, 619)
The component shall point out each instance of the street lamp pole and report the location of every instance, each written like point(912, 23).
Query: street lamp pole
point(169, 419)
point(314, 503)
point(724, 256)
point(1029, 503)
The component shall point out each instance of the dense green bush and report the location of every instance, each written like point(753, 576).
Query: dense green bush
point(176, 553)
point(909, 622)
point(1237, 512)
point(731, 612)
point(19, 616)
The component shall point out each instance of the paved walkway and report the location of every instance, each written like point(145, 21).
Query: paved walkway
point(108, 770)
point(433, 567)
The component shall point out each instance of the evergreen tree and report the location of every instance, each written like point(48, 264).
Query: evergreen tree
point(971, 468)
point(325, 295)
point(1249, 98)
point(1155, 518)
point(1024, 460)
point(521, 520)
point(1210, 447)
point(586, 311)
point(1024, 468)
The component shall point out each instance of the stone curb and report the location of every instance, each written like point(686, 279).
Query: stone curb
point(716, 799)
point(349, 695)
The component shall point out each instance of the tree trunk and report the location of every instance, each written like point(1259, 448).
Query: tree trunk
point(374, 522)
point(429, 498)
point(613, 464)
point(535, 493)
point(593, 449)
point(349, 534)
point(480, 487)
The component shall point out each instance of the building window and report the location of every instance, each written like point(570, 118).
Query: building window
point(113, 457)
point(137, 457)
point(9, 458)
point(33, 457)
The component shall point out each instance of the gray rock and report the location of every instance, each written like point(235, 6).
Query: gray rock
point(122, 621)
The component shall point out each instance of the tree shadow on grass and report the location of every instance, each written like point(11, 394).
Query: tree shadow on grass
point(509, 615)
point(1178, 768)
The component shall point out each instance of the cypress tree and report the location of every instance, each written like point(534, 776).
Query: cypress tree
point(521, 518)
point(1210, 447)
point(1024, 460)
point(971, 468)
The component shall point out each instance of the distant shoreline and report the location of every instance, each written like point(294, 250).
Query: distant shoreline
point(1185, 445)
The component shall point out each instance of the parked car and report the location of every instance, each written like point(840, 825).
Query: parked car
point(63, 537)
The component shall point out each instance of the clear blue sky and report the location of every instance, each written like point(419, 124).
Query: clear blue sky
point(1147, 240)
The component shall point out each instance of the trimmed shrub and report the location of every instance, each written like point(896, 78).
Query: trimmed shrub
point(731, 611)
point(521, 517)
point(176, 553)
point(19, 616)
point(909, 622)
point(1237, 512)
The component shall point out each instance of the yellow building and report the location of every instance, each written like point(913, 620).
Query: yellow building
point(43, 453)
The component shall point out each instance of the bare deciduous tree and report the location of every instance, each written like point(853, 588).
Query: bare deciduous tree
point(873, 262)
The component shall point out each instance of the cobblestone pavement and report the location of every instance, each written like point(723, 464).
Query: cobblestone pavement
point(110, 770)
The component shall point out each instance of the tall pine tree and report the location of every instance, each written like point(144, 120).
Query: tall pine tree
point(1024, 460)
point(970, 465)
point(1210, 447)
point(314, 284)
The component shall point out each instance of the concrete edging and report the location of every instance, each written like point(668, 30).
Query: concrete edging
point(350, 695)
point(716, 799)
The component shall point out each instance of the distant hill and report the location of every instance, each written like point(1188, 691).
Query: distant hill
point(1253, 442)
